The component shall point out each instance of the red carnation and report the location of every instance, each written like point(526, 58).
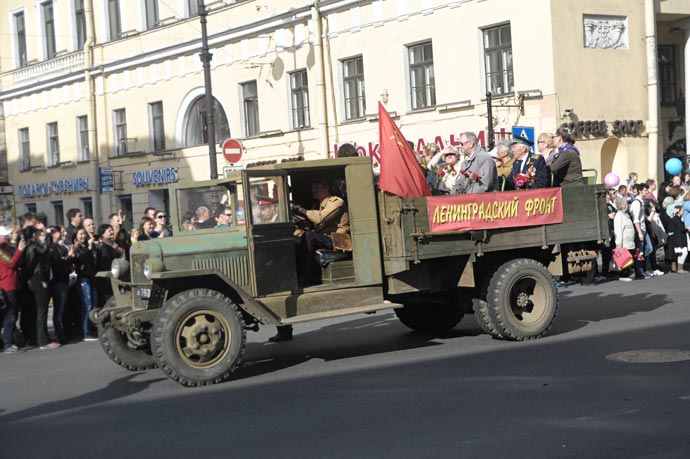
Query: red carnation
point(474, 176)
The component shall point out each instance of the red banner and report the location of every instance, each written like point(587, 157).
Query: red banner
point(506, 209)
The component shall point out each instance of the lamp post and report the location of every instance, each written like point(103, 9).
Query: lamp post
point(206, 57)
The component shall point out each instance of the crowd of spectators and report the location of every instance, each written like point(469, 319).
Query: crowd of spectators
point(41, 264)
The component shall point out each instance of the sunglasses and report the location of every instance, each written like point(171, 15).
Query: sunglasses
point(228, 215)
point(161, 216)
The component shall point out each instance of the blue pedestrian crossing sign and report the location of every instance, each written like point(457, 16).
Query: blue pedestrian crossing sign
point(525, 132)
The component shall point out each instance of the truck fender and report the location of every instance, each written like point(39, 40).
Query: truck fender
point(248, 304)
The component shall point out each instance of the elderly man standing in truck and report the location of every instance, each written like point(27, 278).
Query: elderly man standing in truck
point(477, 161)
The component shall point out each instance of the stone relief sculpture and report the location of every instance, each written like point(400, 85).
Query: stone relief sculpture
point(605, 32)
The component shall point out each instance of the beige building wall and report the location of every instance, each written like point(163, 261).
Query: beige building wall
point(266, 41)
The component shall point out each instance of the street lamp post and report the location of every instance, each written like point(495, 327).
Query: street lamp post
point(206, 57)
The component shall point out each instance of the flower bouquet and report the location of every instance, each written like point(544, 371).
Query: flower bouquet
point(524, 180)
point(465, 181)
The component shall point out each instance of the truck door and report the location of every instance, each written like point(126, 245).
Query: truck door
point(269, 232)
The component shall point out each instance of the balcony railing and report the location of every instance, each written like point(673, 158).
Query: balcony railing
point(48, 69)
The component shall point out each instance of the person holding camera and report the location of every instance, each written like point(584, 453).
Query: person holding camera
point(36, 271)
point(85, 253)
point(9, 284)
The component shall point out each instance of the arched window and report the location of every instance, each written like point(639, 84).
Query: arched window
point(195, 129)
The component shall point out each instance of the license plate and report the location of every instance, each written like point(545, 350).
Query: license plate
point(144, 292)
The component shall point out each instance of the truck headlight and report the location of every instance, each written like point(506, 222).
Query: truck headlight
point(151, 266)
point(119, 268)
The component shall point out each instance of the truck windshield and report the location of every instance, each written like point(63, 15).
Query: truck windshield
point(207, 207)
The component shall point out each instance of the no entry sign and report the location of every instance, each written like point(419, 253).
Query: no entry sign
point(232, 150)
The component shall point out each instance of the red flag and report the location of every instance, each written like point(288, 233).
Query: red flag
point(401, 173)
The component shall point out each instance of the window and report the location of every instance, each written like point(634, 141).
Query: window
point(87, 205)
point(49, 29)
point(151, 7)
point(667, 74)
point(193, 7)
point(498, 59)
point(299, 89)
point(53, 144)
point(125, 201)
point(251, 108)
point(195, 123)
point(120, 120)
point(25, 149)
point(114, 26)
point(156, 126)
point(80, 21)
point(21, 38)
point(266, 202)
point(196, 207)
point(29, 207)
point(422, 83)
point(353, 84)
point(58, 212)
point(83, 153)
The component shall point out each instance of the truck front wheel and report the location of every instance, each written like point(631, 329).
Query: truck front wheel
point(123, 349)
point(199, 338)
point(522, 300)
point(430, 317)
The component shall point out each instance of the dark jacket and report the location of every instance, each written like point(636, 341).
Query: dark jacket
point(541, 179)
point(36, 261)
point(123, 240)
point(85, 261)
point(106, 255)
point(60, 262)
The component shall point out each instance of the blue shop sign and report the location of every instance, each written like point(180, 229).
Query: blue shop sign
point(155, 176)
point(67, 186)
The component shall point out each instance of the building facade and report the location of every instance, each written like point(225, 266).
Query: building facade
point(103, 99)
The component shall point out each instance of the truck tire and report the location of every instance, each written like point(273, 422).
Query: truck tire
point(522, 300)
point(430, 317)
point(198, 337)
point(134, 356)
point(481, 315)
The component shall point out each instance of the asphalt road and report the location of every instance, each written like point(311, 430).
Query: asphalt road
point(365, 386)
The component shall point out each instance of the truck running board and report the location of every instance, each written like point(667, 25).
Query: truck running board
point(341, 312)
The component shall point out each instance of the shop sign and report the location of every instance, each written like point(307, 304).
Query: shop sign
point(106, 181)
point(506, 209)
point(600, 128)
point(155, 176)
point(67, 186)
point(372, 148)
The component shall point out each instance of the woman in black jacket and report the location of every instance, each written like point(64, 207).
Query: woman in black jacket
point(61, 265)
point(108, 250)
point(85, 261)
point(36, 269)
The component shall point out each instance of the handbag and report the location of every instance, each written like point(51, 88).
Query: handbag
point(622, 258)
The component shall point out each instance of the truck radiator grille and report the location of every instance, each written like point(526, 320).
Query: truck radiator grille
point(236, 268)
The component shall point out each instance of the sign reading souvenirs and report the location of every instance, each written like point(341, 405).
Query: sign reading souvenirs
point(106, 181)
point(155, 176)
point(495, 210)
point(600, 128)
point(73, 185)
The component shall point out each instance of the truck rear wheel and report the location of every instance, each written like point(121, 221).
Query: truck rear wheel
point(430, 317)
point(123, 349)
point(199, 338)
point(481, 315)
point(522, 300)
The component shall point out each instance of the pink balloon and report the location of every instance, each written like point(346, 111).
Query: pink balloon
point(612, 180)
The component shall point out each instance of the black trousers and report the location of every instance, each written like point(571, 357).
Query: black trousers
point(39, 291)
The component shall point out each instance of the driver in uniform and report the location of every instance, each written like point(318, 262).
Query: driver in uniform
point(330, 217)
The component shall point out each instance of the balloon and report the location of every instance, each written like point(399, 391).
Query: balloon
point(674, 166)
point(612, 180)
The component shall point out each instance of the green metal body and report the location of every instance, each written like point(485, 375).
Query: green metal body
point(394, 255)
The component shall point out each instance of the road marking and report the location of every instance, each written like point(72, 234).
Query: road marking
point(606, 414)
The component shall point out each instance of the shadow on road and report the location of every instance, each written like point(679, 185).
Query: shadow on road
point(576, 310)
point(120, 388)
point(366, 336)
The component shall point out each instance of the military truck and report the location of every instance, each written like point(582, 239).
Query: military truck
point(185, 303)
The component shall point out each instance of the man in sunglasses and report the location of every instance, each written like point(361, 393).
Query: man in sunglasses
point(223, 216)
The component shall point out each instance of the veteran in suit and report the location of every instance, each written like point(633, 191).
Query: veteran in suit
point(527, 165)
point(478, 161)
